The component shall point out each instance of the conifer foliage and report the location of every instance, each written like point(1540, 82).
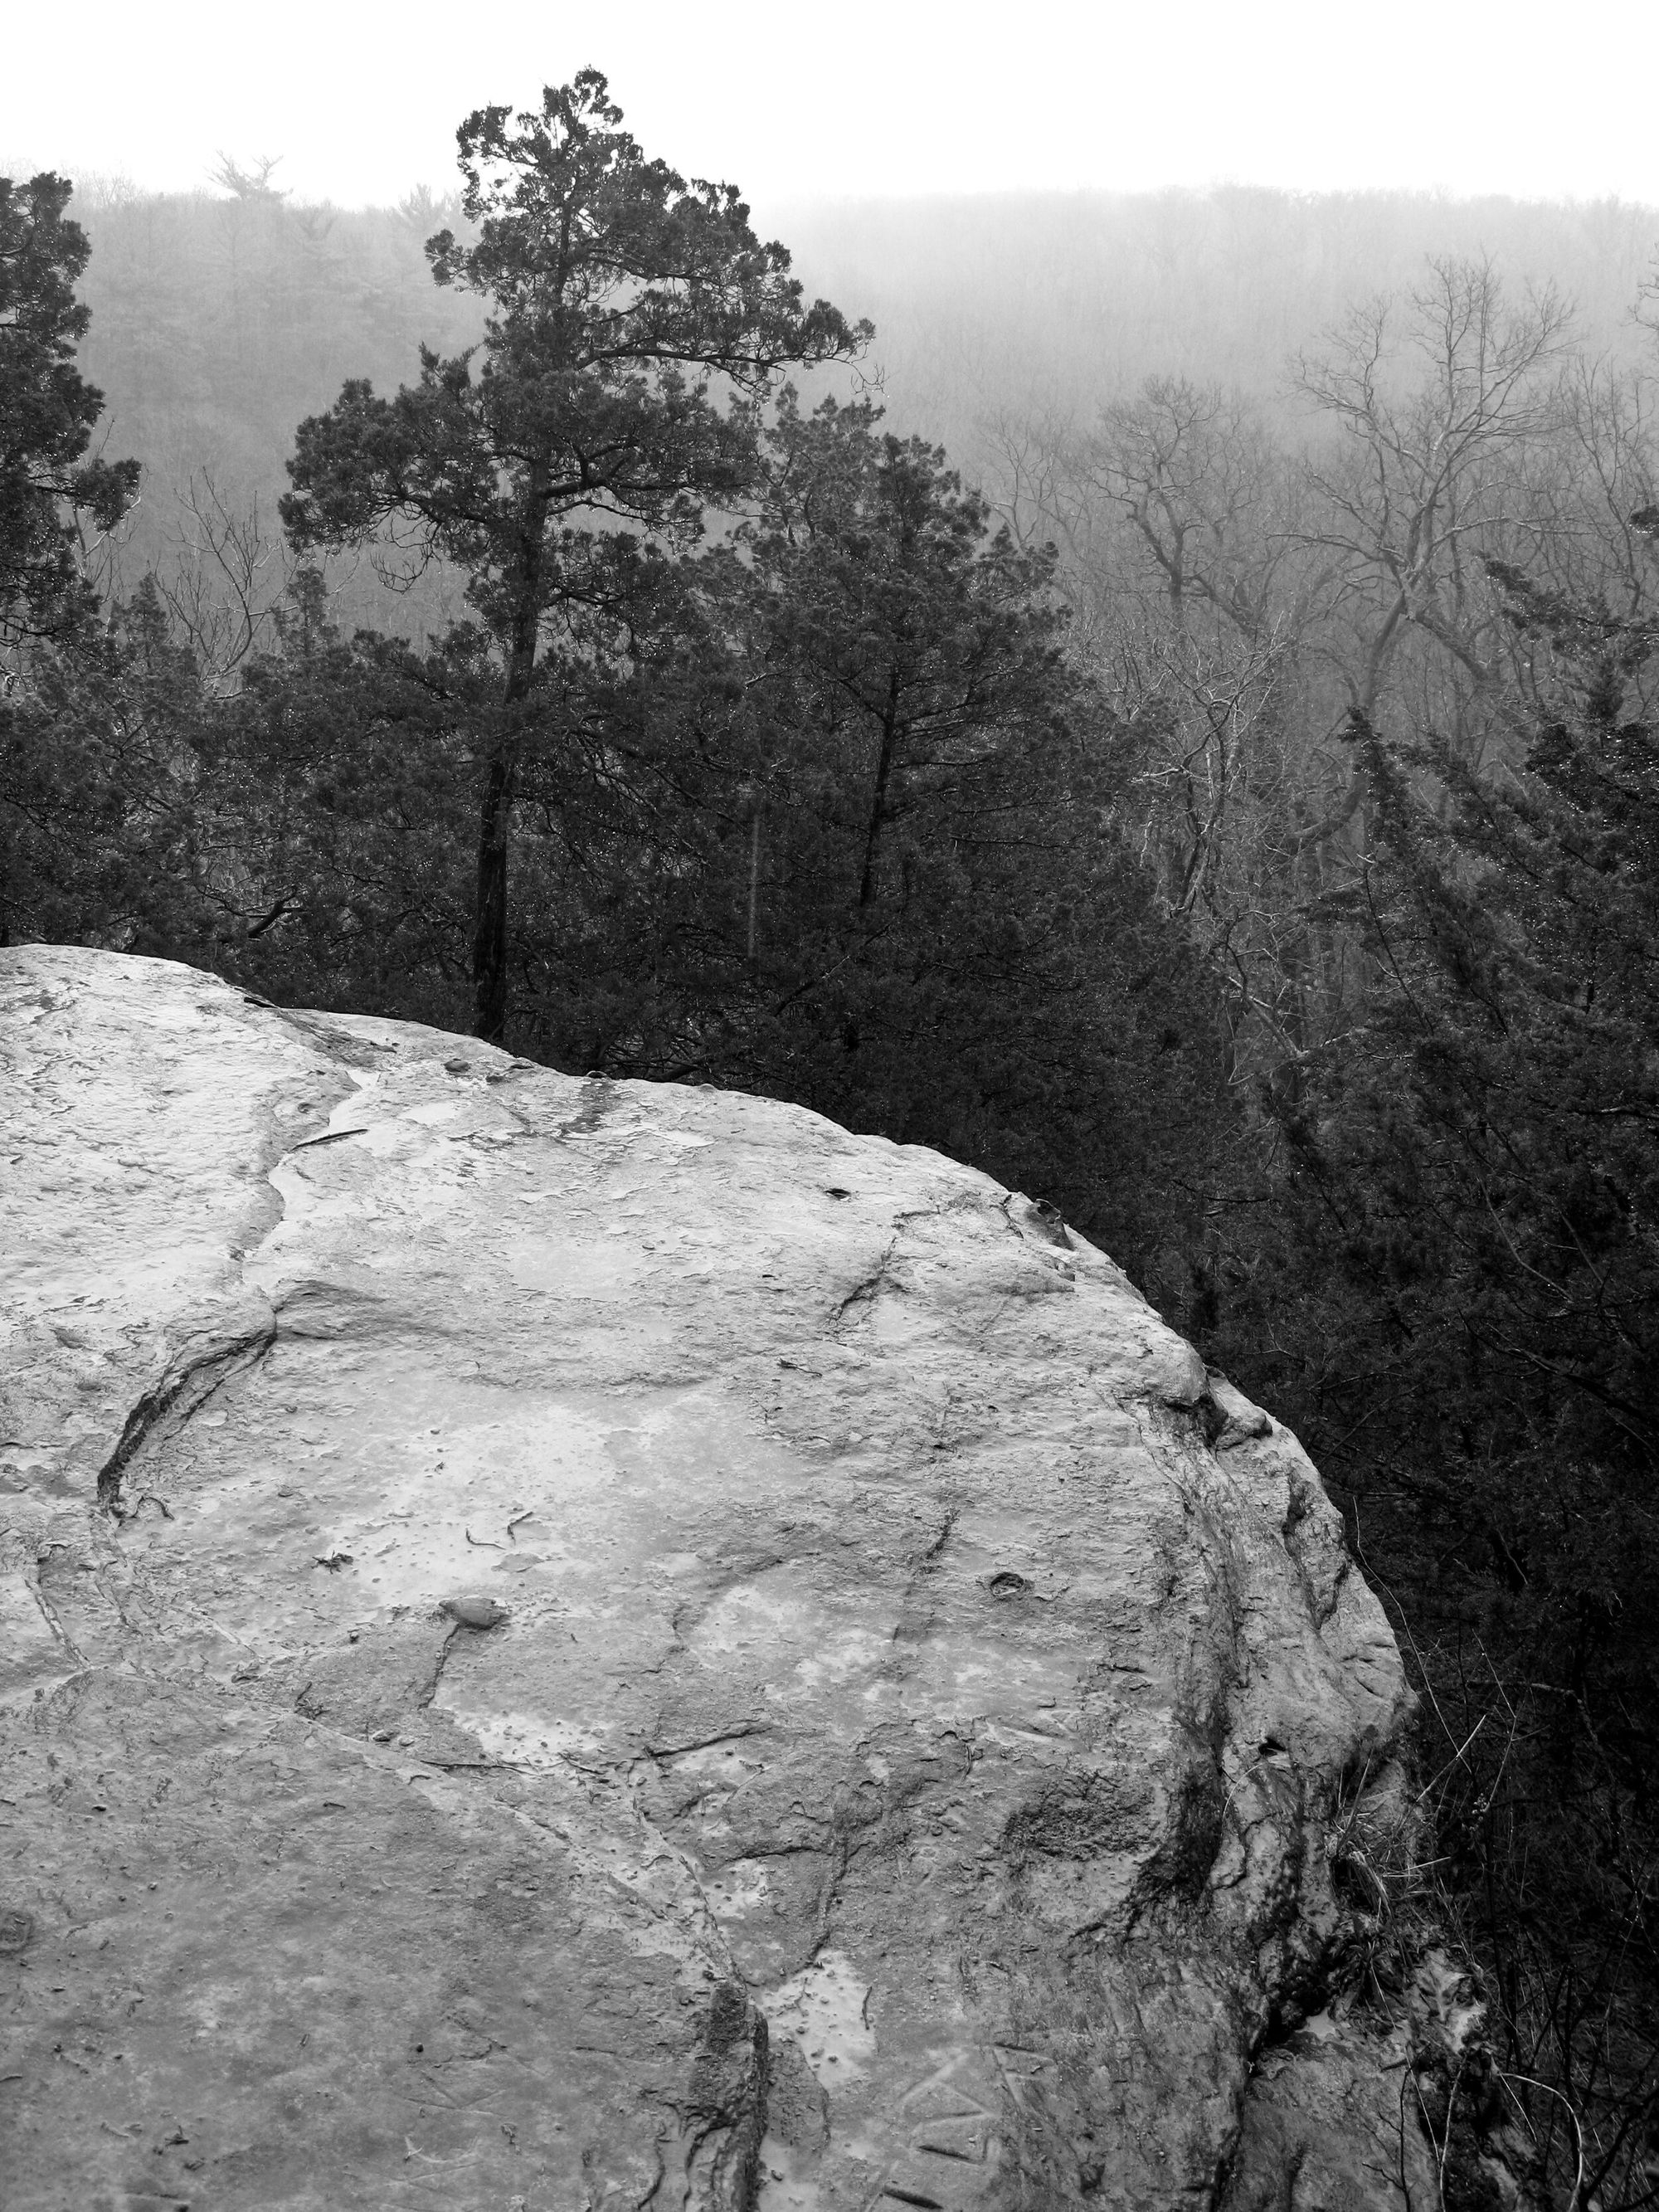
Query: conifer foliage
point(636, 322)
point(48, 488)
point(1471, 1201)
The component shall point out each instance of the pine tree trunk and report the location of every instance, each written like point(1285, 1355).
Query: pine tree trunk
point(496, 804)
point(490, 928)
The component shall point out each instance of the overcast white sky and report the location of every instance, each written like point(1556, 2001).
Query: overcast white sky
point(1531, 97)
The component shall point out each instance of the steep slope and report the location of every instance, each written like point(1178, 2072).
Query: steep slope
point(574, 1645)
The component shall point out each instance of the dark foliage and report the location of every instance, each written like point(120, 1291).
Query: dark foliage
point(47, 411)
point(1471, 1198)
point(102, 840)
point(869, 861)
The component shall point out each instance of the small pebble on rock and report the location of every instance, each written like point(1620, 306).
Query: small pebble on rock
point(475, 1612)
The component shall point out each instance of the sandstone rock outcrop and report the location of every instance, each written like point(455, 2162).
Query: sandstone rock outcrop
point(573, 1644)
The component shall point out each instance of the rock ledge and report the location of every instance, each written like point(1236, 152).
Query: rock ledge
point(574, 1645)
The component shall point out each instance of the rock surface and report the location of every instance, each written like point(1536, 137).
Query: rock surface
point(574, 1645)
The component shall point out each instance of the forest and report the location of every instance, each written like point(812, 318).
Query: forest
point(1167, 715)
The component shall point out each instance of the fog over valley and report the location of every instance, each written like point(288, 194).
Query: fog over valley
point(219, 318)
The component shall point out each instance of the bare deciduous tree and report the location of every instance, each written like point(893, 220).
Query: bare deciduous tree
point(1431, 400)
point(225, 579)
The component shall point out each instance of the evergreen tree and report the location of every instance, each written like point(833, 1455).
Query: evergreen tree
point(843, 832)
point(48, 488)
point(1473, 1350)
point(104, 836)
point(637, 324)
point(341, 775)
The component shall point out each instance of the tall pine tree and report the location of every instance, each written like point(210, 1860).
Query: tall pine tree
point(637, 325)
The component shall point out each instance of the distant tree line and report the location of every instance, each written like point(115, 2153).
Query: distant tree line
point(1238, 827)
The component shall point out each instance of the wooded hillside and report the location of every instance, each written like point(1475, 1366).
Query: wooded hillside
point(218, 322)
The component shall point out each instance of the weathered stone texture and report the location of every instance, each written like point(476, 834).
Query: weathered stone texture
point(912, 1758)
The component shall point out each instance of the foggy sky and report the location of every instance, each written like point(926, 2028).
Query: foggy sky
point(792, 101)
